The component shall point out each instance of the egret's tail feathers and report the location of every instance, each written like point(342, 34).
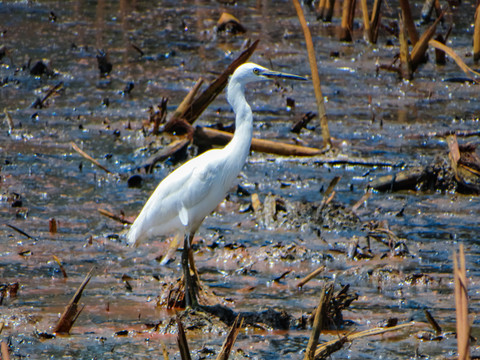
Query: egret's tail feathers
point(132, 236)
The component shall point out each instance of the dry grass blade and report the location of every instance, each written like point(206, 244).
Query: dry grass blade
point(57, 260)
point(5, 353)
point(112, 216)
point(201, 103)
point(322, 114)
point(317, 326)
point(326, 349)
point(182, 342)
point(88, 157)
point(71, 312)
point(461, 305)
point(230, 340)
point(465, 68)
point(310, 276)
point(218, 137)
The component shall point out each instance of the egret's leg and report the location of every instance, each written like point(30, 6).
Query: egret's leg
point(190, 295)
point(192, 265)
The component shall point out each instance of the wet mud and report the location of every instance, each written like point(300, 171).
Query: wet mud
point(93, 75)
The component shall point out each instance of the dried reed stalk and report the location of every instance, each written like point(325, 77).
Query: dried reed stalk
point(71, 311)
point(326, 349)
point(476, 35)
point(182, 341)
point(230, 339)
point(4, 351)
point(408, 21)
point(347, 20)
point(461, 304)
point(327, 142)
point(310, 276)
point(317, 325)
point(465, 68)
point(405, 67)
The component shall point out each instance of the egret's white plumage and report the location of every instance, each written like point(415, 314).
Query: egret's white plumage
point(191, 192)
point(187, 195)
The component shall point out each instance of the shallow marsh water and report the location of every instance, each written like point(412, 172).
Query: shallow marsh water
point(372, 115)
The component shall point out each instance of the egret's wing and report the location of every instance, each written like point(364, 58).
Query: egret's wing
point(179, 192)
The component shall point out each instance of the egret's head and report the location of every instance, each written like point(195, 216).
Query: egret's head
point(250, 72)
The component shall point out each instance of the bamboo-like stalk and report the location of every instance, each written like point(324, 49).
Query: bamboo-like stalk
point(476, 36)
point(327, 142)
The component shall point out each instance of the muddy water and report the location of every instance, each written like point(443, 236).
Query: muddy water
point(372, 115)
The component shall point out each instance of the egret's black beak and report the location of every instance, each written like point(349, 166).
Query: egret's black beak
point(276, 74)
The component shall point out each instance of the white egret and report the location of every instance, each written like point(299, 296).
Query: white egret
point(187, 195)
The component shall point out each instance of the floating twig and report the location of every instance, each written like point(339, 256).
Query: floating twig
point(310, 276)
point(112, 216)
point(41, 103)
point(88, 157)
point(22, 232)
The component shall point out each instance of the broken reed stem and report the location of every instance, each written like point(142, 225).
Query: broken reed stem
point(375, 21)
point(88, 157)
point(5, 353)
point(182, 341)
point(187, 101)
point(476, 35)
point(345, 27)
point(71, 312)
point(317, 327)
point(366, 21)
point(408, 21)
point(310, 276)
point(405, 67)
point(322, 114)
point(230, 339)
point(267, 146)
point(461, 304)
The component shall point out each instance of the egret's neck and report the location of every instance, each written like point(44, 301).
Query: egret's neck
point(239, 146)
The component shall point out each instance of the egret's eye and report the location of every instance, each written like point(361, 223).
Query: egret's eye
point(256, 71)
